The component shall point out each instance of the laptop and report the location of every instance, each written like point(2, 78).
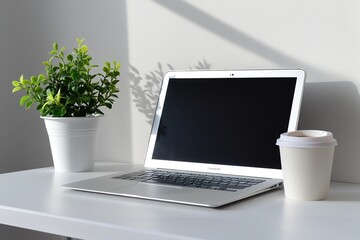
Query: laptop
point(213, 138)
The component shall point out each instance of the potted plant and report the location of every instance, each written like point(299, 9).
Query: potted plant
point(69, 98)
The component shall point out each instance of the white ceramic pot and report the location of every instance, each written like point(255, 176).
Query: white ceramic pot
point(72, 142)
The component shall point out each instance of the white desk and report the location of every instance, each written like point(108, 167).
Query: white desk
point(35, 200)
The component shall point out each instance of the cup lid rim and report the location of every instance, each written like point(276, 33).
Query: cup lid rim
point(306, 138)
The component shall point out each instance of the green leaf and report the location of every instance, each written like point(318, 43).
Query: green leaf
point(26, 82)
point(55, 46)
point(41, 77)
point(38, 90)
point(15, 83)
point(102, 92)
point(50, 98)
point(84, 49)
point(101, 99)
point(52, 52)
point(28, 104)
point(69, 57)
point(39, 107)
point(75, 76)
point(86, 98)
point(108, 105)
point(21, 79)
point(33, 80)
point(15, 89)
point(59, 112)
point(24, 99)
point(58, 97)
point(107, 83)
point(106, 70)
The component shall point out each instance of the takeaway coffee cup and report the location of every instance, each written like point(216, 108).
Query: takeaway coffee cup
point(306, 159)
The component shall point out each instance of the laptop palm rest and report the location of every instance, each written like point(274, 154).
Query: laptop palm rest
point(169, 193)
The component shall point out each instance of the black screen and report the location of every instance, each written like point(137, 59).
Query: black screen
point(225, 121)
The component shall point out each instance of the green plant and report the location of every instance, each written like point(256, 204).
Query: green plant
point(68, 88)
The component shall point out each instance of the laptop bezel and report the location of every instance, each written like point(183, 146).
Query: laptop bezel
point(217, 168)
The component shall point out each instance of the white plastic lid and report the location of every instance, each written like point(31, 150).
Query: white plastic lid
point(306, 139)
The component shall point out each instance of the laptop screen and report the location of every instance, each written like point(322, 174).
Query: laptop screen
point(226, 121)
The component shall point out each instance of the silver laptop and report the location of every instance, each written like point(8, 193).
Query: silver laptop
point(213, 138)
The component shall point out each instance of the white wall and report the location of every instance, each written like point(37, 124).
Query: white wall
point(154, 35)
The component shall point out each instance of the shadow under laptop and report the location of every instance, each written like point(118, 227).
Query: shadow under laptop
point(335, 107)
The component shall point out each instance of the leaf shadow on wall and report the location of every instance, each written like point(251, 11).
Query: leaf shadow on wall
point(145, 88)
point(334, 107)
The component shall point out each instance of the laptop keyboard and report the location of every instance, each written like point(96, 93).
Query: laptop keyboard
point(192, 180)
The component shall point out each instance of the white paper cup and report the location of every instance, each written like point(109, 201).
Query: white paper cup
point(306, 159)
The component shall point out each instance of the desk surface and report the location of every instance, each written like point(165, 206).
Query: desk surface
point(35, 200)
